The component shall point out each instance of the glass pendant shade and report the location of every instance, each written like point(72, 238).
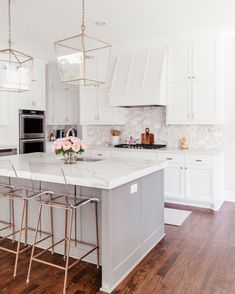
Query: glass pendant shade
point(83, 60)
point(15, 66)
point(15, 71)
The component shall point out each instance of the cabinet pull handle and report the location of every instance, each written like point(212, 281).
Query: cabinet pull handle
point(189, 78)
point(99, 154)
point(169, 158)
point(181, 167)
point(185, 168)
point(198, 160)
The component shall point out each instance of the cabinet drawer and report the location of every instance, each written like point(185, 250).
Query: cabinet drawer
point(171, 157)
point(100, 153)
point(134, 154)
point(199, 159)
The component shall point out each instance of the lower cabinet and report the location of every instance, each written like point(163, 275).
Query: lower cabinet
point(194, 179)
point(190, 179)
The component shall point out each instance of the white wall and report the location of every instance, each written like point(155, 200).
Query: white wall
point(230, 116)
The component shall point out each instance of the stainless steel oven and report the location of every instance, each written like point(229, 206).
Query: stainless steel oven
point(32, 145)
point(32, 131)
point(32, 124)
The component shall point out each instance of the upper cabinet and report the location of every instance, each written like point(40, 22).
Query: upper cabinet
point(62, 99)
point(139, 77)
point(35, 98)
point(95, 109)
point(195, 82)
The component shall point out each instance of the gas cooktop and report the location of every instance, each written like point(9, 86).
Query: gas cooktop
point(140, 146)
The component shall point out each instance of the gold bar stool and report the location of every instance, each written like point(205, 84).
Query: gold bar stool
point(69, 205)
point(18, 194)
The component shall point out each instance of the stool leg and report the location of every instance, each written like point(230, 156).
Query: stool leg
point(34, 242)
point(19, 240)
point(97, 235)
point(13, 218)
point(65, 233)
point(68, 250)
point(26, 224)
point(52, 230)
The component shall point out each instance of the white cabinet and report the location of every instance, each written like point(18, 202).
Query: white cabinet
point(195, 82)
point(35, 98)
point(139, 77)
point(194, 179)
point(62, 100)
point(134, 154)
point(95, 110)
point(199, 183)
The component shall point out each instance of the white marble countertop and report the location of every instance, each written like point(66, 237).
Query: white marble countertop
point(3, 146)
point(105, 174)
point(167, 150)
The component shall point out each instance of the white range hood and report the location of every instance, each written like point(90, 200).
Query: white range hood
point(139, 78)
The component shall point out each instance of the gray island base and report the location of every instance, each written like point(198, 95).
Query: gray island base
point(131, 213)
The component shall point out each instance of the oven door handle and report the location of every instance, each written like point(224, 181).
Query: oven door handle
point(32, 116)
point(32, 140)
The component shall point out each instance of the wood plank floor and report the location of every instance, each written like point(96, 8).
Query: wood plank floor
point(196, 258)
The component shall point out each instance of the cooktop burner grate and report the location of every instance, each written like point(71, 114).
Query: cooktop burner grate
point(140, 146)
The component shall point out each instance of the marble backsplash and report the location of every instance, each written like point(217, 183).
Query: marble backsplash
point(137, 119)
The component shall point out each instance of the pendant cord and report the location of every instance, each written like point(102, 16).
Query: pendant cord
point(9, 24)
point(83, 15)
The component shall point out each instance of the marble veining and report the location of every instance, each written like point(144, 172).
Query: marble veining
point(106, 174)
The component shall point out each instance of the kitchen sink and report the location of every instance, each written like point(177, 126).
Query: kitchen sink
point(87, 159)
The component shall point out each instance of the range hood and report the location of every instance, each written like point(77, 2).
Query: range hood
point(139, 78)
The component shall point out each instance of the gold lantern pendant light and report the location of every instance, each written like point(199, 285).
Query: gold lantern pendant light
point(15, 66)
point(82, 59)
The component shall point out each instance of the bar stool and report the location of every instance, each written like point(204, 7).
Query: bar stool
point(17, 193)
point(70, 206)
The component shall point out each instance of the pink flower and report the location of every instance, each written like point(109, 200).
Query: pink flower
point(57, 145)
point(74, 139)
point(66, 145)
point(76, 146)
point(83, 145)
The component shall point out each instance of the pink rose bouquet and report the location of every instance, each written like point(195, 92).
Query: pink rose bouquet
point(68, 145)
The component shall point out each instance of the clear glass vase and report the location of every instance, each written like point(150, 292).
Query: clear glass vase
point(70, 158)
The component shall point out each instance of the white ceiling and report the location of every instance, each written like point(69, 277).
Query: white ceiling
point(37, 24)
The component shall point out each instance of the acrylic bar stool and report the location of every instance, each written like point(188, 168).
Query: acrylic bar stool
point(17, 193)
point(69, 205)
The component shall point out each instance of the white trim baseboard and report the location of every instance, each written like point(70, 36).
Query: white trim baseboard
point(229, 196)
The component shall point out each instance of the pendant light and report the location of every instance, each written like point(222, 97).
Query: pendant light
point(82, 59)
point(15, 66)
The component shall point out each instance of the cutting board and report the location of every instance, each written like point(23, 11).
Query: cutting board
point(147, 137)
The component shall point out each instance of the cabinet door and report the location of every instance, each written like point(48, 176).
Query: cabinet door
point(59, 107)
point(204, 102)
point(179, 83)
point(95, 108)
point(107, 113)
point(88, 106)
point(179, 63)
point(204, 60)
point(179, 103)
point(71, 107)
point(204, 92)
point(174, 181)
point(199, 183)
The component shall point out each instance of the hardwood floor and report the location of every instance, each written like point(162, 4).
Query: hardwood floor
point(196, 258)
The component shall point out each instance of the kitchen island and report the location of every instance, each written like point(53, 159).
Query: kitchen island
point(131, 208)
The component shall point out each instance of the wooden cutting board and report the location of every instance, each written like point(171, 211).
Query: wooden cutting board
point(147, 137)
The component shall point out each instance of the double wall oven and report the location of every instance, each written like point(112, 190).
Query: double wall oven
point(32, 131)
